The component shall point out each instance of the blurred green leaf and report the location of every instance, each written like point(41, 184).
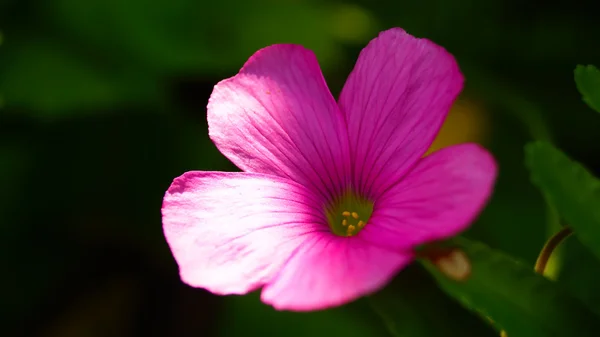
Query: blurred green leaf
point(578, 273)
point(182, 36)
point(248, 316)
point(1, 96)
point(587, 79)
point(155, 35)
point(519, 301)
point(570, 188)
point(45, 77)
point(413, 305)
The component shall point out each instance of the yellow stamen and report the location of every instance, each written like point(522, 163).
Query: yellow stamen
point(350, 230)
point(347, 209)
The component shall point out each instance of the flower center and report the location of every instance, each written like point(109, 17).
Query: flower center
point(348, 214)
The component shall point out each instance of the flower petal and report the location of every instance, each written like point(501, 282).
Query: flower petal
point(438, 199)
point(230, 233)
point(277, 116)
point(395, 101)
point(329, 270)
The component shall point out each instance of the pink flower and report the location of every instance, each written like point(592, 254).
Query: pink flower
point(334, 197)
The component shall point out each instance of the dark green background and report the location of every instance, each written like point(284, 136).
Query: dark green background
point(103, 104)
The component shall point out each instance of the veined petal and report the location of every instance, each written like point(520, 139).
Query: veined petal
point(329, 270)
point(277, 116)
point(230, 233)
point(438, 199)
point(395, 101)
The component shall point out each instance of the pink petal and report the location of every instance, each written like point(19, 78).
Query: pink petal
point(438, 199)
point(395, 101)
point(329, 270)
point(230, 233)
point(277, 116)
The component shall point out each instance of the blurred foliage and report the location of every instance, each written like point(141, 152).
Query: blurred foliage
point(518, 301)
point(570, 188)
point(587, 79)
point(102, 104)
point(413, 306)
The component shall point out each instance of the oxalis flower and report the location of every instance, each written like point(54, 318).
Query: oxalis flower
point(334, 197)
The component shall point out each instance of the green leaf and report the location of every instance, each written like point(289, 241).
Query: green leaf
point(49, 79)
point(570, 188)
point(587, 79)
point(578, 273)
point(519, 301)
point(167, 36)
point(413, 305)
point(248, 316)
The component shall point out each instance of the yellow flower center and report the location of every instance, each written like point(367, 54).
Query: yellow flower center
point(348, 214)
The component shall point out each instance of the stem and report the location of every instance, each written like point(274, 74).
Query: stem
point(549, 247)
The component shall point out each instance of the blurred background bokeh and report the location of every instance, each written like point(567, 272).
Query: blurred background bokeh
point(102, 104)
